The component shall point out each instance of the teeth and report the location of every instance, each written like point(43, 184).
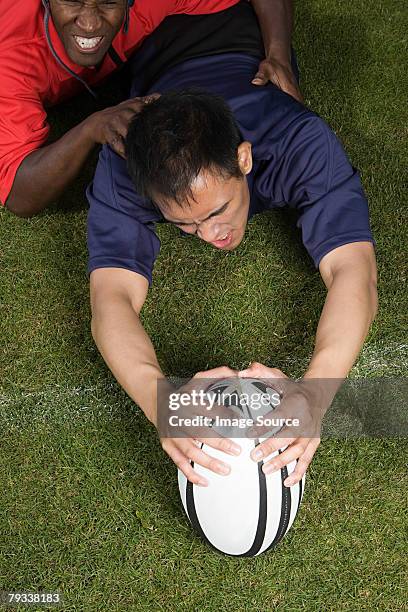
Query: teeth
point(88, 43)
point(224, 237)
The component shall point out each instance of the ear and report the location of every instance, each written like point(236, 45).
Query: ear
point(245, 157)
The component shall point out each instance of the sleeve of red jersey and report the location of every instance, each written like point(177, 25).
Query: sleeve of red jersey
point(23, 126)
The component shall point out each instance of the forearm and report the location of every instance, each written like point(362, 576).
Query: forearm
point(276, 21)
point(128, 352)
point(45, 173)
point(348, 312)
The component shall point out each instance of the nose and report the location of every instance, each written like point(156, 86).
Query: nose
point(208, 231)
point(89, 20)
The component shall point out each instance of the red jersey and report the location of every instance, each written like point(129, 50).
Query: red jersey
point(31, 79)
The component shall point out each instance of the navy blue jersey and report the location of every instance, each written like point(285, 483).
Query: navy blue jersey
point(298, 163)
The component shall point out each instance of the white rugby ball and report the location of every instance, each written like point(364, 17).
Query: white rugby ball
point(246, 512)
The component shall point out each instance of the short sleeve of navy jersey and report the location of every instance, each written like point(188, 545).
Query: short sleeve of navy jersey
point(121, 225)
point(314, 176)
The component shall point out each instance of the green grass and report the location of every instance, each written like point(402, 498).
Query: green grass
point(89, 501)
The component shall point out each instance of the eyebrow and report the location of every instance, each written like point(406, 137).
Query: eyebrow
point(213, 214)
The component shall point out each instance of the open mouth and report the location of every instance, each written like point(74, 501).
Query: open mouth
point(88, 45)
point(224, 241)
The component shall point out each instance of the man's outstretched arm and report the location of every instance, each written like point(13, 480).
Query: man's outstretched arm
point(350, 275)
point(117, 297)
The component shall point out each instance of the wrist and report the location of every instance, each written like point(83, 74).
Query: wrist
point(163, 389)
point(325, 379)
point(320, 389)
point(279, 54)
point(89, 129)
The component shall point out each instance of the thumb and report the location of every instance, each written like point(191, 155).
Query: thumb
point(260, 78)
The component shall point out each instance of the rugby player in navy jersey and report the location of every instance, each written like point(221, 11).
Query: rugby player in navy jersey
point(207, 161)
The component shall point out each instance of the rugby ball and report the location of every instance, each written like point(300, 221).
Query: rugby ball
point(246, 512)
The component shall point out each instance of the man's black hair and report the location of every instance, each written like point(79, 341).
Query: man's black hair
point(177, 136)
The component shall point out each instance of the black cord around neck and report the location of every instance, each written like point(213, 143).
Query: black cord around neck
point(56, 56)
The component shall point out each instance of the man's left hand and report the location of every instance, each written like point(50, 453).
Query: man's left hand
point(280, 74)
point(299, 401)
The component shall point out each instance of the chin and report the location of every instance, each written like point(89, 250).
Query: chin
point(236, 242)
point(86, 60)
point(232, 246)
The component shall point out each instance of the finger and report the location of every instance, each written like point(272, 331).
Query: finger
point(276, 79)
point(267, 447)
point(221, 372)
point(150, 98)
point(292, 452)
point(282, 422)
point(184, 465)
point(258, 370)
point(260, 78)
point(116, 142)
point(201, 380)
point(302, 464)
point(124, 117)
point(287, 83)
point(222, 444)
point(191, 385)
point(120, 126)
point(214, 465)
point(267, 430)
point(201, 383)
point(136, 104)
point(199, 422)
point(293, 91)
point(294, 416)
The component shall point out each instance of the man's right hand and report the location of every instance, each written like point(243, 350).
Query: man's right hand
point(183, 450)
point(110, 126)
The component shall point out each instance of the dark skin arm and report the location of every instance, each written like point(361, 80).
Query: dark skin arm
point(45, 173)
point(276, 21)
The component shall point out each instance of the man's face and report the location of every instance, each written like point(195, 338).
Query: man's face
point(219, 213)
point(87, 27)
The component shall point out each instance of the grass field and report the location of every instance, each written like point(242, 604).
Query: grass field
point(89, 502)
